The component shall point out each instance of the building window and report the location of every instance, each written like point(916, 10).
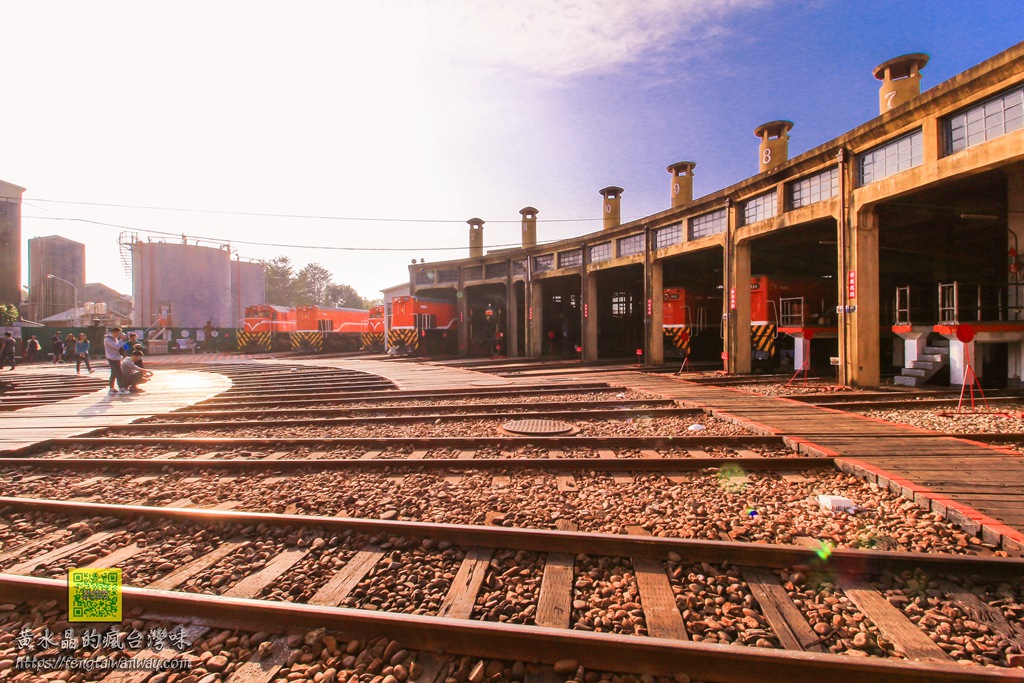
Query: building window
point(990, 119)
point(543, 263)
point(665, 237)
point(895, 156)
point(570, 259)
point(621, 303)
point(600, 252)
point(760, 207)
point(473, 273)
point(634, 244)
point(449, 275)
point(519, 268)
point(813, 189)
point(424, 277)
point(497, 269)
point(709, 224)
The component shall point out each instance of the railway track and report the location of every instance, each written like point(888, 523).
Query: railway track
point(524, 558)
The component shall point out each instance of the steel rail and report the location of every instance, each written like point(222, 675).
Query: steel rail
point(400, 395)
point(908, 403)
point(425, 409)
point(403, 419)
point(858, 562)
point(595, 651)
point(256, 465)
point(506, 442)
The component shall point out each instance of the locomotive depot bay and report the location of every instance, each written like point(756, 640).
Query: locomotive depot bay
point(357, 519)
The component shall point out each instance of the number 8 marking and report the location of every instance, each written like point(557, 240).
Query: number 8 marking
point(766, 158)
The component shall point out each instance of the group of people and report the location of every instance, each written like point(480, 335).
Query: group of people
point(63, 349)
point(125, 358)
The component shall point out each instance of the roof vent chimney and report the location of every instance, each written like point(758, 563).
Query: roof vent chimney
point(476, 237)
point(901, 80)
point(682, 182)
point(529, 226)
point(774, 149)
point(611, 211)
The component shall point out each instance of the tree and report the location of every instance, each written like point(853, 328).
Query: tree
point(343, 296)
point(280, 278)
point(8, 314)
point(311, 285)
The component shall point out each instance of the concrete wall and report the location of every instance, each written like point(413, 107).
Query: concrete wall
point(248, 288)
point(10, 243)
point(190, 283)
point(63, 258)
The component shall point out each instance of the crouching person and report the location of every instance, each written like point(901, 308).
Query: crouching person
point(133, 374)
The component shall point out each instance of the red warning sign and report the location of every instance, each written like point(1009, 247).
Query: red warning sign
point(851, 285)
point(732, 299)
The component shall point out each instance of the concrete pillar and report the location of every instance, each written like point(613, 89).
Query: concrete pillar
point(774, 147)
point(737, 307)
point(959, 355)
point(611, 207)
point(901, 80)
point(589, 313)
point(529, 226)
point(655, 351)
point(862, 325)
point(682, 182)
point(913, 345)
point(1015, 244)
point(463, 308)
point(535, 319)
point(512, 311)
point(476, 237)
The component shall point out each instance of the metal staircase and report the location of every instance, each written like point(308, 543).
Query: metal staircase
point(934, 358)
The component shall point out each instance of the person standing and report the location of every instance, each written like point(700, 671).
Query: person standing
point(57, 347)
point(82, 353)
point(112, 352)
point(31, 349)
point(69, 346)
point(208, 337)
point(7, 349)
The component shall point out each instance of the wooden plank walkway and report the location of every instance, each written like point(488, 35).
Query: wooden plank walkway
point(168, 390)
point(976, 485)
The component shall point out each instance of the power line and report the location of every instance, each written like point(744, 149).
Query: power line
point(266, 244)
point(298, 215)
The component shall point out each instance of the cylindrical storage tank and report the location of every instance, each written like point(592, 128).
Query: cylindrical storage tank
point(248, 288)
point(183, 283)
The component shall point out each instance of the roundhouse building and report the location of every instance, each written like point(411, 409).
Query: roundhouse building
point(893, 249)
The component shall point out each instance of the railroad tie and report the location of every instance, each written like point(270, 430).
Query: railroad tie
point(466, 454)
point(986, 614)
point(650, 453)
point(606, 453)
point(891, 622)
point(500, 481)
point(276, 455)
point(192, 633)
point(258, 670)
point(347, 578)
point(418, 454)
point(461, 597)
point(785, 618)
point(185, 572)
point(554, 604)
point(254, 584)
point(659, 603)
point(370, 455)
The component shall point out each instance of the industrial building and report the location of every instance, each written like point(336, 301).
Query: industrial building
point(184, 285)
point(10, 243)
point(892, 249)
point(56, 276)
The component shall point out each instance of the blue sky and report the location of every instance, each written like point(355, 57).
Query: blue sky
point(428, 111)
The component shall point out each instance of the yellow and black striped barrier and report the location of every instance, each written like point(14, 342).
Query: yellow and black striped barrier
point(254, 342)
point(373, 341)
point(678, 337)
point(307, 341)
point(397, 336)
point(762, 338)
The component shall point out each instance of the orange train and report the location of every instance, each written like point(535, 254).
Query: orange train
point(422, 325)
point(307, 328)
point(373, 336)
point(692, 317)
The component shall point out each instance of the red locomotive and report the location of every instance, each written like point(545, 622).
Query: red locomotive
point(373, 337)
point(421, 325)
point(687, 315)
point(308, 328)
